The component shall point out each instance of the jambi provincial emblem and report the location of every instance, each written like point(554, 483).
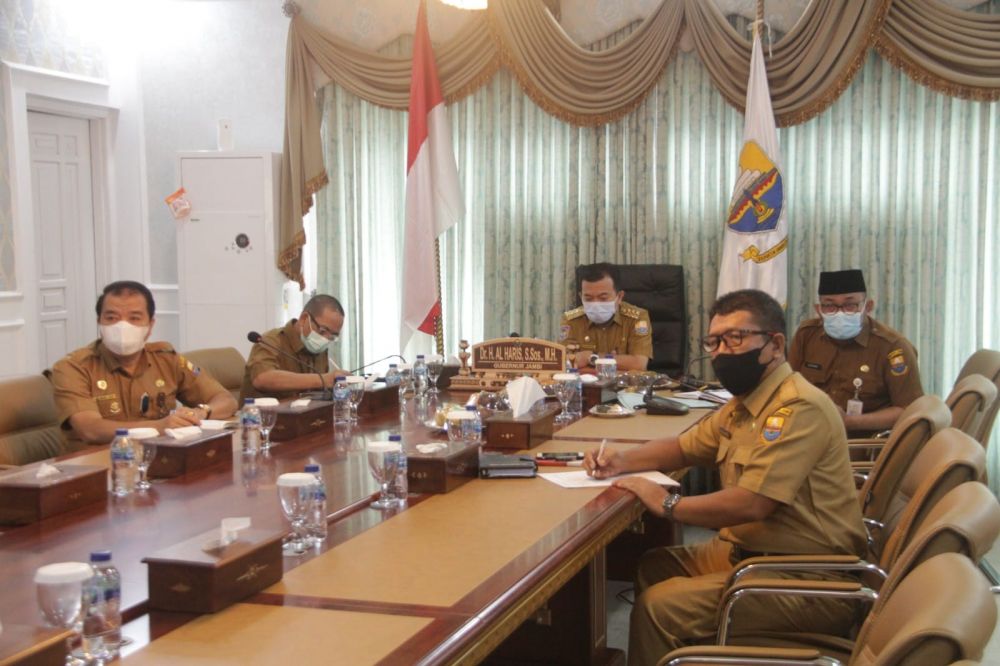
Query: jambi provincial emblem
point(759, 193)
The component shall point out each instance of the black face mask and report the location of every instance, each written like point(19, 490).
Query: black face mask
point(739, 373)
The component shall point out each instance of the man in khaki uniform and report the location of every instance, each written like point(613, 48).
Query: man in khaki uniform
point(123, 381)
point(302, 364)
point(868, 369)
point(606, 324)
point(787, 488)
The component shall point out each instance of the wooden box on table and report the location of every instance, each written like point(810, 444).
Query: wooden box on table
point(176, 457)
point(294, 422)
point(185, 577)
point(379, 399)
point(441, 471)
point(33, 646)
point(25, 498)
point(503, 431)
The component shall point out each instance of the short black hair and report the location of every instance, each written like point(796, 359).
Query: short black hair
point(599, 271)
point(320, 303)
point(127, 287)
point(766, 312)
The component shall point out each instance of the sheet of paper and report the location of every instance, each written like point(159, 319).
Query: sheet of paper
point(695, 403)
point(579, 479)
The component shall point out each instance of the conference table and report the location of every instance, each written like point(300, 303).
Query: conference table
point(496, 570)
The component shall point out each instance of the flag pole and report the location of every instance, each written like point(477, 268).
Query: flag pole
point(438, 324)
point(760, 18)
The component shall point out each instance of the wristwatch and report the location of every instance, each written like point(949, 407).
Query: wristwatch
point(207, 409)
point(592, 360)
point(669, 502)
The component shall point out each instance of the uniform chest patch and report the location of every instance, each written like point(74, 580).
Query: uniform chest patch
point(897, 363)
point(642, 327)
point(775, 424)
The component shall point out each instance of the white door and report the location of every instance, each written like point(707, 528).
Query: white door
point(62, 205)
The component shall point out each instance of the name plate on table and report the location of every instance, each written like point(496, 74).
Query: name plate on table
point(293, 422)
point(186, 578)
point(175, 457)
point(496, 362)
point(503, 431)
point(441, 471)
point(378, 400)
point(24, 498)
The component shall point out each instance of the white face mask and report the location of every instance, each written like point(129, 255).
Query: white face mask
point(314, 342)
point(123, 338)
point(600, 312)
point(843, 326)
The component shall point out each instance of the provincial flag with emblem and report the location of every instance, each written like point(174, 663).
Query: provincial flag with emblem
point(755, 239)
point(433, 196)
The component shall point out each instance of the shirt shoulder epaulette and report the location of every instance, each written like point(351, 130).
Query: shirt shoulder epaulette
point(82, 353)
point(160, 347)
point(888, 334)
point(575, 313)
point(633, 312)
point(815, 322)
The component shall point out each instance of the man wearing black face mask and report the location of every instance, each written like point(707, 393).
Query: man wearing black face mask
point(787, 488)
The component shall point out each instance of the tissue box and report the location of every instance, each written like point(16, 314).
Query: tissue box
point(295, 422)
point(379, 400)
point(503, 431)
point(175, 457)
point(23, 644)
point(443, 471)
point(595, 393)
point(25, 499)
point(186, 578)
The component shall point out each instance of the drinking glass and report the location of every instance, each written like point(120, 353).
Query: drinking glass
point(455, 419)
point(434, 367)
point(295, 490)
point(145, 454)
point(268, 417)
point(357, 386)
point(563, 389)
point(383, 462)
point(60, 598)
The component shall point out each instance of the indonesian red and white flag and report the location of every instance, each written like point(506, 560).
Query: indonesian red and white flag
point(433, 196)
point(755, 240)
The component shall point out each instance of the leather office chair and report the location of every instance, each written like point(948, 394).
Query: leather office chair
point(29, 425)
point(659, 288)
point(969, 401)
point(985, 362)
point(940, 612)
point(225, 364)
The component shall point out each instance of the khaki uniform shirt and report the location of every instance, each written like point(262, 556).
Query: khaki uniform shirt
point(628, 332)
point(92, 379)
point(263, 358)
point(880, 357)
point(786, 441)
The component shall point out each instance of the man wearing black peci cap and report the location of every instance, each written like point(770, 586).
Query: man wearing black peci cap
point(868, 369)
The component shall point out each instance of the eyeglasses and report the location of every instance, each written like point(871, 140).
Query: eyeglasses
point(732, 337)
point(847, 308)
point(324, 331)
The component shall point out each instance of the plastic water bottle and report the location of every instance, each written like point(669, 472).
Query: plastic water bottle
point(341, 400)
point(316, 527)
point(472, 429)
point(607, 367)
point(575, 406)
point(102, 624)
point(123, 465)
point(420, 378)
point(392, 376)
point(250, 426)
point(400, 488)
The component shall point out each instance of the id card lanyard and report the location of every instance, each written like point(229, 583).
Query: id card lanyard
point(855, 406)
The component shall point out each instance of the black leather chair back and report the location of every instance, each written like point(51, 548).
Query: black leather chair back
point(659, 288)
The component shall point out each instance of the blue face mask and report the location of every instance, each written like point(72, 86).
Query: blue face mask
point(600, 312)
point(843, 326)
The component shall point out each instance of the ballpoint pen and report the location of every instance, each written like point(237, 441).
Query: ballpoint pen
point(546, 462)
point(600, 452)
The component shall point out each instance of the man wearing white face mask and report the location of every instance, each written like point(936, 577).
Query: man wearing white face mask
point(868, 369)
point(606, 324)
point(123, 381)
point(302, 364)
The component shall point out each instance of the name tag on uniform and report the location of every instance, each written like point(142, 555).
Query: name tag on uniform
point(813, 366)
point(725, 433)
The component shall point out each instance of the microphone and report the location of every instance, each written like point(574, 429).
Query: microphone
point(689, 381)
point(258, 339)
point(367, 365)
point(514, 334)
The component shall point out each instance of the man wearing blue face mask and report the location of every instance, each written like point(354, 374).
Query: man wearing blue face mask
point(868, 369)
point(606, 324)
point(303, 363)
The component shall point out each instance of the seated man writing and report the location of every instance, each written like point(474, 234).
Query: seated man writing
point(868, 369)
point(293, 358)
point(606, 324)
point(787, 488)
point(123, 381)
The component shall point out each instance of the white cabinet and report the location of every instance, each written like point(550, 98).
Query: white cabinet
point(227, 277)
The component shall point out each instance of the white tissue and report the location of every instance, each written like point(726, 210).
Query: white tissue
point(212, 424)
point(183, 433)
point(47, 470)
point(301, 403)
point(229, 528)
point(265, 402)
point(432, 447)
point(523, 393)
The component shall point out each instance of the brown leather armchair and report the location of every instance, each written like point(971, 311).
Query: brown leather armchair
point(225, 364)
point(29, 425)
point(984, 362)
point(970, 401)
